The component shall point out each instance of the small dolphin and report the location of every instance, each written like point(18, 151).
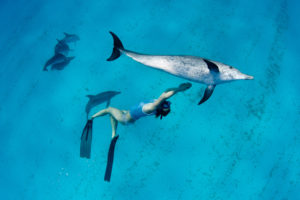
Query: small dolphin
point(70, 38)
point(62, 65)
point(97, 99)
point(192, 68)
point(57, 58)
point(61, 47)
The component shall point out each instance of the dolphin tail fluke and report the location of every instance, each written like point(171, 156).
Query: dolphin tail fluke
point(208, 92)
point(46, 65)
point(117, 47)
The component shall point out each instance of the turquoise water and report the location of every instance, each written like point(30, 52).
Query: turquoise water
point(243, 143)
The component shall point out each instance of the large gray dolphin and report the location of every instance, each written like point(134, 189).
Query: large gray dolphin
point(192, 68)
point(97, 99)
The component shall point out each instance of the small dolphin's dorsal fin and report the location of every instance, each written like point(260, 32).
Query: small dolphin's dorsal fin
point(208, 92)
point(89, 96)
point(212, 66)
point(67, 34)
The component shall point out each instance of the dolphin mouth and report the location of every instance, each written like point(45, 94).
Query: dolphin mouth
point(249, 77)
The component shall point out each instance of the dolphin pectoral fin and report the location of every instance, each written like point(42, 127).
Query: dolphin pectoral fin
point(212, 66)
point(208, 92)
point(117, 46)
point(107, 104)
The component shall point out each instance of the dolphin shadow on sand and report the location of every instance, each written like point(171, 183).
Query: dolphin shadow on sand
point(98, 99)
point(86, 136)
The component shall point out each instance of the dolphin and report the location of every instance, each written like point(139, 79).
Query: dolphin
point(196, 69)
point(70, 38)
point(62, 65)
point(100, 98)
point(61, 47)
point(57, 58)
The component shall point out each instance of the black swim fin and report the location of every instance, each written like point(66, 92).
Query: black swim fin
point(117, 46)
point(110, 158)
point(86, 140)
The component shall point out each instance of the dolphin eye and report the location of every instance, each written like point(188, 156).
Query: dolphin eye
point(230, 67)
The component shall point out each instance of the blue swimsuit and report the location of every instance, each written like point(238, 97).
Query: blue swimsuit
point(136, 112)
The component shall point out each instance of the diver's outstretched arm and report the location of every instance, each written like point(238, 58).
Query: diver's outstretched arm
point(150, 107)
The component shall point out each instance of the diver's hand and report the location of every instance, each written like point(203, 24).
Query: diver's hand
point(184, 86)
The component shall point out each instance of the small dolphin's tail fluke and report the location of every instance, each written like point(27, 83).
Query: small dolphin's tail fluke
point(117, 47)
point(110, 158)
point(47, 64)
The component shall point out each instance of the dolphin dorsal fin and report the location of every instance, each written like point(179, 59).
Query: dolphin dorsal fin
point(59, 41)
point(212, 66)
point(67, 34)
point(89, 96)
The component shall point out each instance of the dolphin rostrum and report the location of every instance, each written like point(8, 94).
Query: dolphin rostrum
point(97, 99)
point(192, 68)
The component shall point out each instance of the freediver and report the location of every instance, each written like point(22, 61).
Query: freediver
point(160, 107)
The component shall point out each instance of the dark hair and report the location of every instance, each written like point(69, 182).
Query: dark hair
point(163, 109)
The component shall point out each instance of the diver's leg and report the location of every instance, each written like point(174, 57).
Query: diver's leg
point(114, 125)
point(116, 113)
point(110, 156)
point(100, 113)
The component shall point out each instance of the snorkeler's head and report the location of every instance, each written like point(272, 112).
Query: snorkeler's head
point(163, 109)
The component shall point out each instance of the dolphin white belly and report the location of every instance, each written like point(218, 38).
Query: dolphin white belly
point(188, 67)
